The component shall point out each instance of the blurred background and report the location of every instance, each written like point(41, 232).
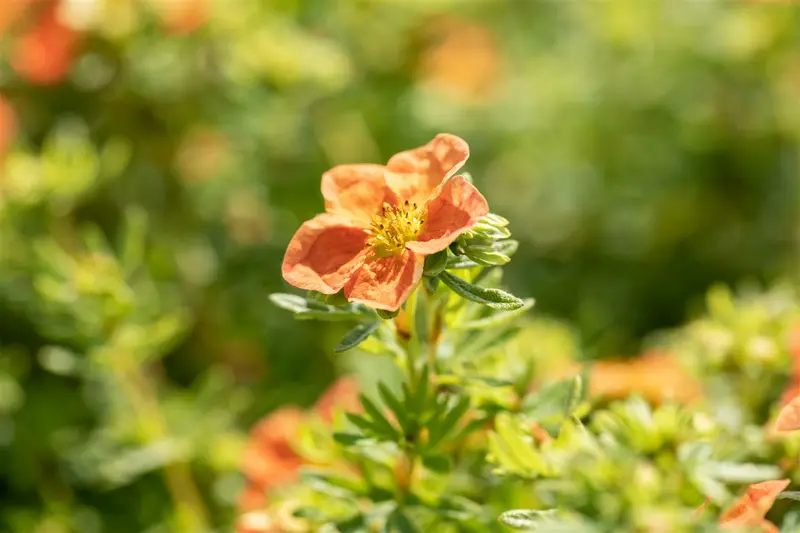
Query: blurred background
point(157, 156)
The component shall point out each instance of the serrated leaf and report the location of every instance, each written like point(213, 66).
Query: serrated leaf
point(356, 336)
point(494, 298)
point(496, 319)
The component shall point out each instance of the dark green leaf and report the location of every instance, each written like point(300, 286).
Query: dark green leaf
point(435, 264)
point(437, 463)
point(494, 298)
point(449, 421)
point(387, 315)
point(348, 439)
point(394, 404)
point(379, 419)
point(356, 336)
point(431, 284)
point(400, 523)
point(421, 394)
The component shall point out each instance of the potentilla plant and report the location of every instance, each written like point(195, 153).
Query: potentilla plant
point(462, 442)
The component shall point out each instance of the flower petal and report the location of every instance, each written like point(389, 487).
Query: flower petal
point(751, 508)
point(356, 191)
point(324, 253)
point(456, 208)
point(417, 173)
point(385, 282)
point(789, 417)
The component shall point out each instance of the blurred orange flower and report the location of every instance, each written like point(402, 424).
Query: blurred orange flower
point(270, 460)
point(464, 63)
point(751, 508)
point(10, 12)
point(43, 53)
point(182, 16)
point(381, 222)
point(792, 390)
point(657, 376)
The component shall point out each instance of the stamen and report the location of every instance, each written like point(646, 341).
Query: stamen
point(394, 227)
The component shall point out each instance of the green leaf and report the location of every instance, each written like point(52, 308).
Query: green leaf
point(400, 523)
point(448, 423)
point(544, 521)
point(379, 419)
point(431, 284)
point(394, 404)
point(364, 424)
point(790, 495)
point(348, 439)
point(421, 394)
point(387, 315)
point(729, 472)
point(508, 247)
point(496, 319)
point(575, 396)
point(437, 463)
point(461, 262)
point(486, 255)
point(549, 404)
point(494, 298)
point(528, 519)
point(512, 450)
point(342, 485)
point(356, 336)
point(311, 309)
point(435, 264)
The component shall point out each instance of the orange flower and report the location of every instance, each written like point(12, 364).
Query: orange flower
point(43, 54)
point(789, 417)
point(381, 222)
point(270, 460)
point(751, 508)
point(792, 389)
point(181, 17)
point(342, 395)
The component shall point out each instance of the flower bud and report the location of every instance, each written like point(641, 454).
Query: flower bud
point(486, 255)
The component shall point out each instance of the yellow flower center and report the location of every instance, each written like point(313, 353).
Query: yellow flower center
point(395, 226)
